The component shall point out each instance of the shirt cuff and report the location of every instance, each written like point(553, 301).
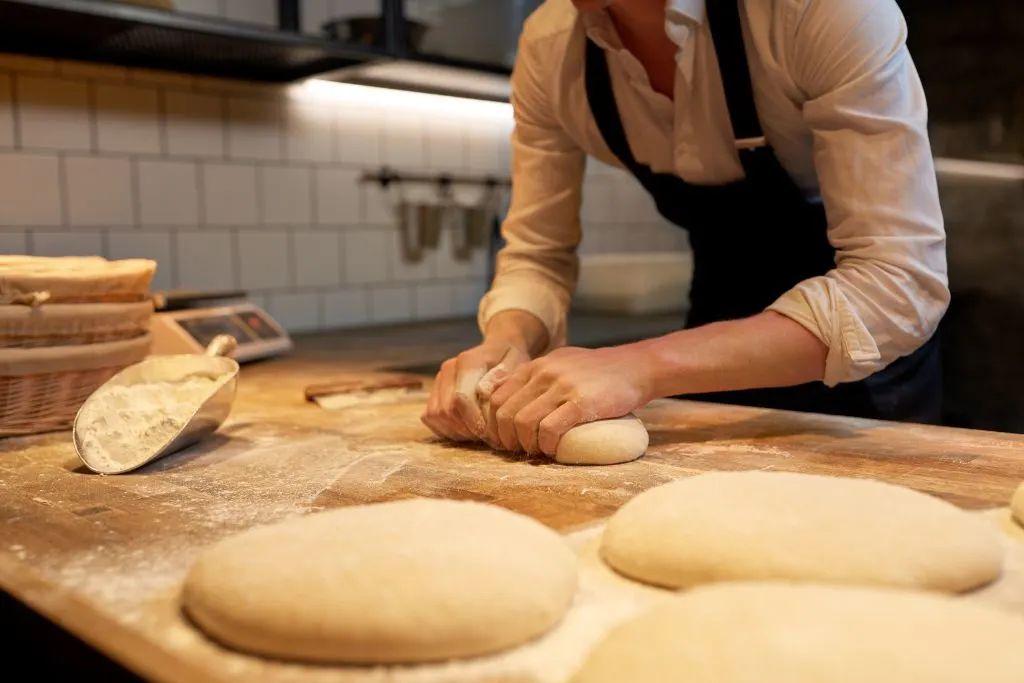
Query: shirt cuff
point(820, 306)
point(522, 296)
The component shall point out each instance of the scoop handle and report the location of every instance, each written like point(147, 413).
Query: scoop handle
point(221, 345)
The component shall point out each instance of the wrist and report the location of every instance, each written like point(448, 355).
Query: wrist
point(642, 369)
point(519, 329)
point(657, 362)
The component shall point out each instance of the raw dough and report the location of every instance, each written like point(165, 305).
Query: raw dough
point(1017, 505)
point(605, 442)
point(724, 526)
point(742, 632)
point(407, 581)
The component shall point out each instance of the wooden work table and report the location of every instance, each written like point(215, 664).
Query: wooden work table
point(94, 554)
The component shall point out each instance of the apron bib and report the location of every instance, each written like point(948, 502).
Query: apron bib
point(755, 239)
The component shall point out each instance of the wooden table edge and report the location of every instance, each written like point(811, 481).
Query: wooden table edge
point(120, 644)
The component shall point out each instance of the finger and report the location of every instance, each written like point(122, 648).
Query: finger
point(553, 427)
point(497, 375)
point(511, 384)
point(446, 415)
point(490, 414)
point(465, 405)
point(431, 415)
point(505, 415)
point(528, 420)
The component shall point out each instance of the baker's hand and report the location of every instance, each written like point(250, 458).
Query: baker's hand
point(543, 399)
point(454, 410)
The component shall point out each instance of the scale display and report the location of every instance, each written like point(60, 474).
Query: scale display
point(191, 331)
point(203, 330)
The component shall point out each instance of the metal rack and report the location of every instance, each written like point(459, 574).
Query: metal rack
point(385, 177)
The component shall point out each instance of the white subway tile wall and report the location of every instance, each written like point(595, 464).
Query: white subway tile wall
point(233, 185)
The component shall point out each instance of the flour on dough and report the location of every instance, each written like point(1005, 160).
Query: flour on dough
point(734, 526)
point(1017, 505)
point(806, 633)
point(604, 442)
point(401, 582)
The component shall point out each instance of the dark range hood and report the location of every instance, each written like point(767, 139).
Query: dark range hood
point(136, 36)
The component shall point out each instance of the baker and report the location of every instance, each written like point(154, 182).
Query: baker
point(788, 138)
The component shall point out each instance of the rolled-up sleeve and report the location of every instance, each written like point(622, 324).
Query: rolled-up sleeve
point(537, 269)
point(867, 112)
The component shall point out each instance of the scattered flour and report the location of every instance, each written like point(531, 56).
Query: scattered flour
point(120, 423)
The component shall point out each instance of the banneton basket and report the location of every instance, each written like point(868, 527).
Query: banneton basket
point(72, 324)
point(33, 281)
point(41, 389)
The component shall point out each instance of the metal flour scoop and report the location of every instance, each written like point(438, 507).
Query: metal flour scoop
point(156, 407)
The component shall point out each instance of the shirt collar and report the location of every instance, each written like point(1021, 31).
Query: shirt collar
point(687, 10)
point(600, 29)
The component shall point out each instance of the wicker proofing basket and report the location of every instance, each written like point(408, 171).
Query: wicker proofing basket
point(72, 324)
point(41, 389)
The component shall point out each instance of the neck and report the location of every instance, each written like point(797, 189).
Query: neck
point(639, 19)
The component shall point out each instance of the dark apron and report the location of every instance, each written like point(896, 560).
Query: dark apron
point(756, 238)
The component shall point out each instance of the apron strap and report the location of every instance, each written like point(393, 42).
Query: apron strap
point(604, 108)
point(730, 50)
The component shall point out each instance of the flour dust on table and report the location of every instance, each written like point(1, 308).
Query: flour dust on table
point(754, 525)
point(807, 633)
point(417, 580)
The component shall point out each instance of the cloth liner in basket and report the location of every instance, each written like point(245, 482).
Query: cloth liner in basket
point(33, 281)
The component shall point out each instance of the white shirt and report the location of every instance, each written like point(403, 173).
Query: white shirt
point(841, 104)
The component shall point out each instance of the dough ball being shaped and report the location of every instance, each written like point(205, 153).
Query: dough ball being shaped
point(604, 442)
point(408, 581)
point(806, 633)
point(734, 526)
point(1017, 505)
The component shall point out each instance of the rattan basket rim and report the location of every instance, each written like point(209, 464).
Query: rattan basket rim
point(73, 358)
point(53, 312)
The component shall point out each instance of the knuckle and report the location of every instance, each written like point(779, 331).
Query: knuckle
point(582, 403)
point(523, 421)
point(466, 358)
point(547, 375)
point(447, 407)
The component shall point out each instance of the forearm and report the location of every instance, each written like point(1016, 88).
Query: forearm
point(765, 350)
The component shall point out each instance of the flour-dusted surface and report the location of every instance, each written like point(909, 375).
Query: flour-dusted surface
point(261, 470)
point(121, 423)
point(603, 600)
point(105, 555)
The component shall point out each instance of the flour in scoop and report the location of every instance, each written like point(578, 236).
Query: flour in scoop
point(122, 424)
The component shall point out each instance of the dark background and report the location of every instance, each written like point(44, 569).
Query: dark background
point(971, 59)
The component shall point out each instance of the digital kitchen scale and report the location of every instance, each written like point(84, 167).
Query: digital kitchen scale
point(186, 322)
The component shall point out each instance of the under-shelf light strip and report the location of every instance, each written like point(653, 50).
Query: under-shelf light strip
point(348, 93)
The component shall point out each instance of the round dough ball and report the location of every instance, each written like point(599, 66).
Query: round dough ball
point(408, 581)
point(1017, 505)
point(605, 442)
point(740, 632)
point(728, 526)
